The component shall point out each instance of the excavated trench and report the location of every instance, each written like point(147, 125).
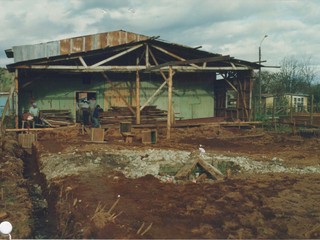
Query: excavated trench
point(44, 216)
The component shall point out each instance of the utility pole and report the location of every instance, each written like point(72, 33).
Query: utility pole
point(260, 99)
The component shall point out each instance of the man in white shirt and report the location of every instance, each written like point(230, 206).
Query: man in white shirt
point(34, 111)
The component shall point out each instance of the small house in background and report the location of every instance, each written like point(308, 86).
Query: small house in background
point(298, 102)
point(133, 77)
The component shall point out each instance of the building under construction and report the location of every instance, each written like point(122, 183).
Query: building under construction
point(133, 77)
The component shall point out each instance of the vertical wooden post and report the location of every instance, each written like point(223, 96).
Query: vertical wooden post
point(138, 118)
point(15, 96)
point(252, 109)
point(238, 104)
point(169, 103)
point(291, 108)
point(273, 113)
point(311, 110)
point(147, 56)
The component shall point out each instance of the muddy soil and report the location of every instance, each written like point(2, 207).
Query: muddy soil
point(268, 206)
point(91, 194)
point(104, 203)
point(15, 201)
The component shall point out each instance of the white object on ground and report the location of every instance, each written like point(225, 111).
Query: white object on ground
point(202, 150)
point(6, 228)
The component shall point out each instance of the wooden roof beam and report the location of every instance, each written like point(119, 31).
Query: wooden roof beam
point(116, 56)
point(156, 62)
point(198, 60)
point(173, 55)
point(128, 68)
point(82, 61)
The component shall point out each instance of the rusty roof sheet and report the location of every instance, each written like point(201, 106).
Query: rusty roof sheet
point(73, 45)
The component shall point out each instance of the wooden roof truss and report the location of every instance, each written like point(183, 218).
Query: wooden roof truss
point(148, 56)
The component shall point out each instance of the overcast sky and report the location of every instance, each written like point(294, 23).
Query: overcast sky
point(229, 27)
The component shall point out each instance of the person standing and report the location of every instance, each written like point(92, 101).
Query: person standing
point(34, 111)
point(85, 112)
point(95, 116)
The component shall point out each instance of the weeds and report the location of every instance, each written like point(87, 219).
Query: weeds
point(140, 232)
point(67, 227)
point(101, 217)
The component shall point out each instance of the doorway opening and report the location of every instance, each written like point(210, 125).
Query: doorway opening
point(82, 96)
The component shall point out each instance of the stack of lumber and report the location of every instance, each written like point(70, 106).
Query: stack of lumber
point(56, 118)
point(115, 115)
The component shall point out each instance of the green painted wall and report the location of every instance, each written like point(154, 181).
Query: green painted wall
point(57, 94)
point(191, 99)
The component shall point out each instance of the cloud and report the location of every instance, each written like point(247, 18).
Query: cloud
point(227, 27)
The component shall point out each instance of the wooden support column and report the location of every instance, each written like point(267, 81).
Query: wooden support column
point(15, 97)
point(147, 56)
point(138, 118)
point(250, 97)
point(162, 85)
point(169, 113)
point(243, 98)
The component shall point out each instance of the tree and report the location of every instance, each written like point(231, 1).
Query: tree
point(5, 80)
point(268, 83)
point(315, 91)
point(295, 76)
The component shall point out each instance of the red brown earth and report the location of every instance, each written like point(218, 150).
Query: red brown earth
point(106, 204)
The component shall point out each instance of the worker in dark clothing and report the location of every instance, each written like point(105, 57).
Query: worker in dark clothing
point(95, 116)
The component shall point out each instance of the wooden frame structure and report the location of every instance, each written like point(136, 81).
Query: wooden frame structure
point(152, 56)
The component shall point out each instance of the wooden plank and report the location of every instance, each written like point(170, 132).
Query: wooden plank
point(175, 56)
point(26, 139)
point(116, 56)
point(169, 103)
point(153, 95)
point(202, 177)
point(186, 170)
point(210, 169)
point(29, 130)
point(149, 136)
point(156, 62)
point(204, 61)
point(138, 111)
point(97, 134)
point(243, 99)
point(128, 136)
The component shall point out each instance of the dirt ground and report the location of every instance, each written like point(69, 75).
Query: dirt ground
point(103, 202)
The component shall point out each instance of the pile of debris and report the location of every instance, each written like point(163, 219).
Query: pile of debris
point(149, 114)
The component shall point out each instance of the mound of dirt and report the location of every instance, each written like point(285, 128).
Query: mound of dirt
point(15, 204)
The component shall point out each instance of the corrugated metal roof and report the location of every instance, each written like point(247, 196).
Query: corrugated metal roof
point(74, 45)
